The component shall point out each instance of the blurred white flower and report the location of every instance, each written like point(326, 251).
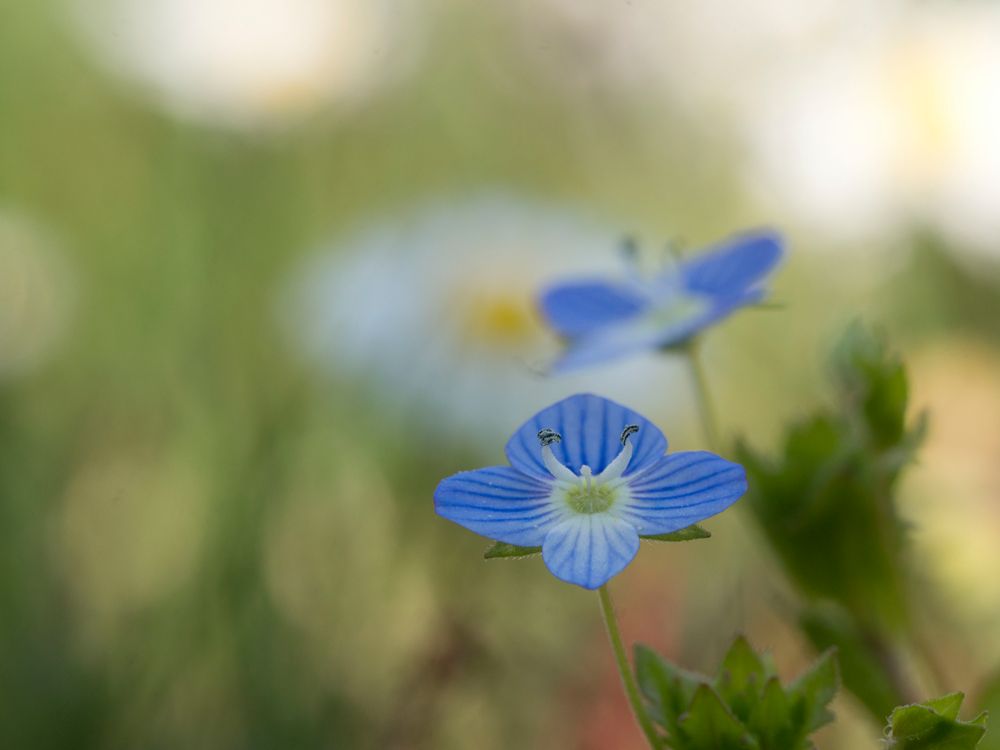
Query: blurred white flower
point(252, 63)
point(882, 130)
point(438, 309)
point(37, 294)
point(859, 120)
point(696, 55)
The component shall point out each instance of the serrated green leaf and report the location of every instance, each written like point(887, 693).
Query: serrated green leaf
point(745, 706)
point(709, 725)
point(988, 699)
point(948, 705)
point(826, 502)
point(813, 691)
point(741, 678)
point(934, 725)
point(502, 550)
point(742, 664)
point(770, 721)
point(861, 658)
point(667, 688)
point(684, 535)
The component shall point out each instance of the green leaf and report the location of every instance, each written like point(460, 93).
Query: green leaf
point(989, 700)
point(502, 550)
point(865, 659)
point(826, 501)
point(770, 721)
point(745, 706)
point(709, 725)
point(684, 535)
point(741, 678)
point(742, 664)
point(947, 705)
point(667, 688)
point(934, 725)
point(813, 691)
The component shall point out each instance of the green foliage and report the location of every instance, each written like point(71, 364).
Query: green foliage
point(934, 725)
point(684, 535)
point(865, 660)
point(501, 550)
point(826, 504)
point(745, 707)
point(989, 700)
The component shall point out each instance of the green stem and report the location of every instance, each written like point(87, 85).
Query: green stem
point(625, 669)
point(706, 406)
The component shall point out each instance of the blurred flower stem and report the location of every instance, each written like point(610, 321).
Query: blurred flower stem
point(631, 689)
point(706, 406)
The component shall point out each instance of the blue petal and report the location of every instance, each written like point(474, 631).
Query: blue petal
point(591, 429)
point(500, 503)
point(682, 489)
point(589, 550)
point(733, 266)
point(576, 308)
point(642, 334)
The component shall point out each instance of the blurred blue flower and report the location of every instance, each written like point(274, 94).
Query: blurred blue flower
point(608, 319)
point(587, 478)
point(433, 309)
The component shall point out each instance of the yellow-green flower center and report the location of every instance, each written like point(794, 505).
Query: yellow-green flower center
point(590, 498)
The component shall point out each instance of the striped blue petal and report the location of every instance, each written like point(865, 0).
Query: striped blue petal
point(588, 550)
point(733, 266)
point(682, 489)
point(500, 503)
point(590, 427)
point(576, 308)
point(647, 333)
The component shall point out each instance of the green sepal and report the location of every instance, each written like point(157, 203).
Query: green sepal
point(686, 534)
point(934, 725)
point(502, 550)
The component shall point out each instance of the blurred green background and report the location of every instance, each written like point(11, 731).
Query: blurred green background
point(265, 277)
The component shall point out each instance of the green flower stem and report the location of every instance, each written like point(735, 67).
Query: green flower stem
point(625, 669)
point(706, 407)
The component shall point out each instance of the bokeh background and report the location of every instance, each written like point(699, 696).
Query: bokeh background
point(266, 275)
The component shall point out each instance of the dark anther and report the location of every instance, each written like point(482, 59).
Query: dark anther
point(630, 249)
point(547, 436)
point(629, 430)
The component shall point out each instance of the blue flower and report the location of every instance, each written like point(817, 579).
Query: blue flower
point(608, 319)
point(587, 478)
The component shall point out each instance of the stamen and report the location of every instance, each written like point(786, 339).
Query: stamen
point(672, 252)
point(616, 468)
point(547, 436)
point(629, 430)
point(629, 248)
point(587, 475)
